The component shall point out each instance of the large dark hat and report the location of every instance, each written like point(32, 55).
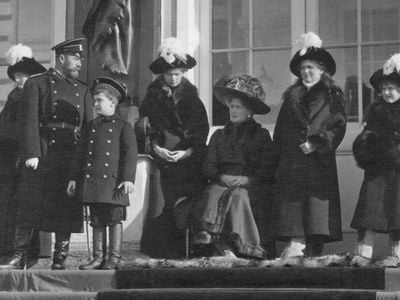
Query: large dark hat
point(246, 88)
point(171, 56)
point(114, 87)
point(311, 49)
point(20, 59)
point(69, 46)
point(389, 72)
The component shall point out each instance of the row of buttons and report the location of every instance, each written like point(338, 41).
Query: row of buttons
point(104, 176)
point(107, 153)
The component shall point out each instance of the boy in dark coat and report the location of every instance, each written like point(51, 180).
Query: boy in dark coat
point(105, 159)
point(376, 150)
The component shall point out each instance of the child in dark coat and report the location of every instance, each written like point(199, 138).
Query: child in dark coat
point(105, 159)
point(376, 150)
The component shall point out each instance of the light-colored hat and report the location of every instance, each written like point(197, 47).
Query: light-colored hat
point(171, 56)
point(389, 72)
point(311, 49)
point(246, 88)
point(20, 59)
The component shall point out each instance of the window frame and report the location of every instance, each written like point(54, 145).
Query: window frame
point(58, 25)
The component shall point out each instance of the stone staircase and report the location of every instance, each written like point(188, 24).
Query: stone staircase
point(203, 283)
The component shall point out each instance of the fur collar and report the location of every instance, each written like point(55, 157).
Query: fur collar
point(160, 90)
point(249, 125)
point(384, 113)
point(325, 90)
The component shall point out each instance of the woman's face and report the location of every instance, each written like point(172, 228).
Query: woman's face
point(390, 92)
point(20, 79)
point(310, 71)
point(238, 112)
point(173, 77)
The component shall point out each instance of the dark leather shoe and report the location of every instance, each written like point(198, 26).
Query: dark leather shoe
point(96, 263)
point(112, 263)
point(58, 263)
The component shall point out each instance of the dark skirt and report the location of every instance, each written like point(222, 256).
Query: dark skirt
point(378, 207)
point(226, 213)
point(8, 210)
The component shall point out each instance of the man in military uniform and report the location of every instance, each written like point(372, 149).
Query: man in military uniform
point(57, 106)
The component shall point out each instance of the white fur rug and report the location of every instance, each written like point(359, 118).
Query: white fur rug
point(231, 261)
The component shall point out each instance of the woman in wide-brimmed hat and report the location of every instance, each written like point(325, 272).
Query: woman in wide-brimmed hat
point(231, 213)
point(178, 134)
point(21, 66)
point(310, 126)
point(376, 151)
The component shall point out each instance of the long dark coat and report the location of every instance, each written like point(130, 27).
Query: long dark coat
point(244, 150)
point(179, 121)
point(306, 194)
point(51, 102)
point(377, 151)
point(8, 169)
point(105, 156)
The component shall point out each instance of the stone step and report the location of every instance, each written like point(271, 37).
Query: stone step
point(48, 295)
point(239, 294)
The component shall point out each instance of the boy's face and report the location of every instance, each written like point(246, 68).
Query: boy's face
point(390, 92)
point(104, 105)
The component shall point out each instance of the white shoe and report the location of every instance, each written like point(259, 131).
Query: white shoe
point(294, 248)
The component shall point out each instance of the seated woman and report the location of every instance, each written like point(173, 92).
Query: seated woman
point(237, 164)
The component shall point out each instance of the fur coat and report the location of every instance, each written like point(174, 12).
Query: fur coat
point(377, 151)
point(306, 194)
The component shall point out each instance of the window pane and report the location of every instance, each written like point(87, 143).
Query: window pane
point(346, 78)
point(380, 20)
point(19, 23)
point(373, 58)
point(226, 65)
point(272, 23)
point(338, 21)
point(230, 24)
point(272, 68)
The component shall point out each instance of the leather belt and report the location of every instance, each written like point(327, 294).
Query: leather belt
point(59, 125)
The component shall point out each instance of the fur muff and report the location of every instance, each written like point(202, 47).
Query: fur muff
point(368, 149)
point(162, 113)
point(378, 145)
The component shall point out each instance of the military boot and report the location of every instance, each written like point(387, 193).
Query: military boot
point(115, 246)
point(22, 240)
point(99, 249)
point(61, 248)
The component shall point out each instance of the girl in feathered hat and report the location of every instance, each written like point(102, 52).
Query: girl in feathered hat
point(21, 66)
point(179, 130)
point(310, 126)
point(376, 150)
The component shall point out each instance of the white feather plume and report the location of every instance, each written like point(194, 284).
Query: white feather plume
point(17, 52)
point(309, 39)
point(172, 49)
point(392, 64)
